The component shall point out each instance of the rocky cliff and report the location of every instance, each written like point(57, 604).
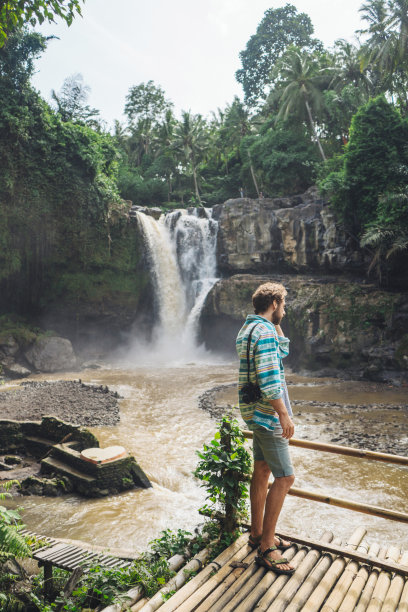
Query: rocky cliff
point(335, 324)
point(296, 234)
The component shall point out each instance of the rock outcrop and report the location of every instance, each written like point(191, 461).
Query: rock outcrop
point(297, 234)
point(336, 325)
point(51, 354)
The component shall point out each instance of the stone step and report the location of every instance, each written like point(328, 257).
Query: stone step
point(51, 463)
point(38, 446)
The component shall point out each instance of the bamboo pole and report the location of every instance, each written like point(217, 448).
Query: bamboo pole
point(214, 581)
point(340, 589)
point(312, 581)
point(403, 602)
point(225, 591)
point(357, 586)
point(392, 515)
point(194, 565)
point(139, 604)
point(369, 587)
point(223, 602)
point(256, 587)
point(343, 450)
point(394, 592)
point(383, 583)
point(278, 584)
point(324, 587)
point(134, 595)
point(240, 547)
point(287, 593)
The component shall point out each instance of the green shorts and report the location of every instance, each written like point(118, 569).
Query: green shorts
point(274, 449)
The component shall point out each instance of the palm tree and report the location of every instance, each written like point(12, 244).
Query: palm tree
point(301, 83)
point(190, 141)
point(348, 69)
point(387, 46)
point(237, 125)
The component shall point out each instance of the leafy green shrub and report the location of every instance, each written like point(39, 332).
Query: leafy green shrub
point(371, 165)
point(12, 543)
point(171, 543)
point(224, 470)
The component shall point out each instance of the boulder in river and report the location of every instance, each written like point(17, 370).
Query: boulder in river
point(51, 354)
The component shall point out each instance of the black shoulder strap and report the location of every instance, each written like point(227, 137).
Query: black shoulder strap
point(248, 345)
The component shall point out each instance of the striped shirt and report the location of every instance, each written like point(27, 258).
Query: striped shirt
point(265, 360)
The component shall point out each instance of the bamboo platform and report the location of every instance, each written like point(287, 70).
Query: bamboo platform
point(330, 576)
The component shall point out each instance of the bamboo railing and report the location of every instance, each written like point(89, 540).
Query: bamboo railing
point(342, 450)
point(392, 515)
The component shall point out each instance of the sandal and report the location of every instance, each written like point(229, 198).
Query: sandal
point(281, 545)
point(254, 542)
point(273, 564)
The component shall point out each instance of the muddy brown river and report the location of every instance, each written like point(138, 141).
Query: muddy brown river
point(162, 426)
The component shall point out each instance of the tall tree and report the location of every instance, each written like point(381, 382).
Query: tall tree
point(146, 102)
point(191, 142)
point(71, 101)
point(301, 80)
point(279, 29)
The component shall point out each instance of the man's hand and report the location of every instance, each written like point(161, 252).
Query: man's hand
point(284, 418)
point(287, 425)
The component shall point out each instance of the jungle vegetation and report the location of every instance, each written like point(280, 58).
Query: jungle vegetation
point(336, 117)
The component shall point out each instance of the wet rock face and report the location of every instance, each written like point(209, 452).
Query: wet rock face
point(335, 325)
point(282, 234)
point(51, 354)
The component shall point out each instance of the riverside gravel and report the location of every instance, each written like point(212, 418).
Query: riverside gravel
point(69, 400)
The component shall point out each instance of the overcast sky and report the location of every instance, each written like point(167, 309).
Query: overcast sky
point(189, 47)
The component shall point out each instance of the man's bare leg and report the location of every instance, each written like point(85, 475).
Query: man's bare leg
point(258, 491)
point(273, 506)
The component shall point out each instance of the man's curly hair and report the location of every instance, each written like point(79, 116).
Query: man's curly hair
point(266, 294)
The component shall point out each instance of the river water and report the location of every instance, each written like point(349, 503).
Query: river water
point(162, 426)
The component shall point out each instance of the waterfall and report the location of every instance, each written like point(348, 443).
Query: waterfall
point(181, 247)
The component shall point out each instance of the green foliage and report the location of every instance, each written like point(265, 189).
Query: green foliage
point(101, 586)
point(388, 234)
point(18, 328)
point(372, 164)
point(15, 14)
point(12, 544)
point(224, 470)
point(61, 212)
point(171, 543)
point(146, 101)
point(279, 29)
point(284, 157)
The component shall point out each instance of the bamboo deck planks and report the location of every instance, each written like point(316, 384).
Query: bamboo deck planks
point(359, 582)
point(238, 550)
point(324, 581)
point(395, 591)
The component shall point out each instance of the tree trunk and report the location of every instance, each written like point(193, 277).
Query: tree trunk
point(195, 183)
point(314, 130)
point(253, 173)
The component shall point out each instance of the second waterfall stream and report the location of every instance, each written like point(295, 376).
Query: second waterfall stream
point(181, 249)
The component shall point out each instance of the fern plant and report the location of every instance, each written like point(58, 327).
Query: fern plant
point(12, 543)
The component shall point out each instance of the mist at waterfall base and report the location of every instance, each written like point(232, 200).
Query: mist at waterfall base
point(181, 251)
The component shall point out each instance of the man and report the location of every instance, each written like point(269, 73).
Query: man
point(270, 420)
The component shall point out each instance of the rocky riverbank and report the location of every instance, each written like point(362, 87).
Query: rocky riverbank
point(337, 327)
point(70, 400)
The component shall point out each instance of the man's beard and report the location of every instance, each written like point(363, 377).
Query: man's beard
point(276, 318)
